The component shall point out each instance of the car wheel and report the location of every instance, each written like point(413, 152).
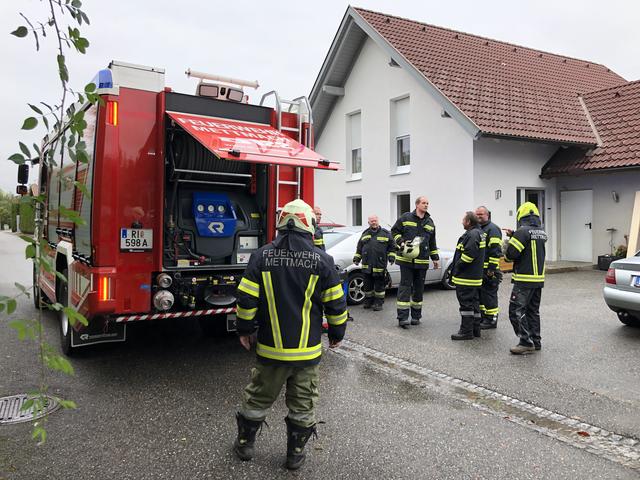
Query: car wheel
point(629, 320)
point(65, 326)
point(447, 279)
point(356, 289)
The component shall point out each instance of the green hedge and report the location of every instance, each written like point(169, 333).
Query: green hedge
point(15, 206)
point(27, 215)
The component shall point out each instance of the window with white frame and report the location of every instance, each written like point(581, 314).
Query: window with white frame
point(355, 207)
point(355, 145)
point(403, 203)
point(400, 136)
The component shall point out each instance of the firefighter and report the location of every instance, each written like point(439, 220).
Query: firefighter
point(318, 238)
point(526, 250)
point(415, 234)
point(468, 263)
point(492, 275)
point(374, 249)
point(287, 286)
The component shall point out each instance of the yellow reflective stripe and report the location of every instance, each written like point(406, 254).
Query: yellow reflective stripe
point(434, 252)
point(383, 239)
point(459, 246)
point(396, 237)
point(365, 266)
point(534, 257)
point(491, 311)
point(378, 269)
point(365, 237)
point(495, 260)
point(516, 243)
point(332, 293)
point(289, 354)
point(494, 241)
point(358, 255)
point(421, 261)
point(429, 227)
point(466, 282)
point(249, 287)
point(416, 304)
point(400, 258)
point(318, 241)
point(523, 277)
point(379, 294)
point(336, 320)
point(273, 312)
point(306, 310)
point(483, 244)
point(402, 305)
point(485, 264)
point(245, 313)
point(409, 224)
point(392, 254)
point(466, 258)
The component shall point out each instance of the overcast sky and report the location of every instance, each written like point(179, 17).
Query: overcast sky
point(282, 44)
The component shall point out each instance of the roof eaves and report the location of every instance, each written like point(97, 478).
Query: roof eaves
point(449, 107)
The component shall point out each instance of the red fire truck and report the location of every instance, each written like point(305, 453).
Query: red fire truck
point(182, 189)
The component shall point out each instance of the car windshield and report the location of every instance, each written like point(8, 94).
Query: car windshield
point(333, 238)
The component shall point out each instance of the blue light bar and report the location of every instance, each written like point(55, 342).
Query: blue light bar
point(103, 79)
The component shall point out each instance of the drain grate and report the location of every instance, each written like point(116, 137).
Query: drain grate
point(11, 409)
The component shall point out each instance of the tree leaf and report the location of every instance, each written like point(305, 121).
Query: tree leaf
point(24, 149)
point(62, 68)
point(46, 122)
point(20, 32)
point(30, 251)
point(90, 87)
point(84, 17)
point(17, 158)
point(83, 188)
point(35, 109)
point(36, 148)
point(20, 327)
point(30, 123)
point(11, 306)
point(19, 286)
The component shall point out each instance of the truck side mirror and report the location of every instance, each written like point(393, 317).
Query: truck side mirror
point(21, 189)
point(23, 174)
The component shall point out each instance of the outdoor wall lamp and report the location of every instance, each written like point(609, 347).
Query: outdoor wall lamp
point(498, 194)
point(615, 196)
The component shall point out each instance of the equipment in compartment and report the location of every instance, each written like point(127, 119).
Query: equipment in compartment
point(214, 214)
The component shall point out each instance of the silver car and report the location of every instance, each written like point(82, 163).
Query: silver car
point(622, 289)
point(341, 244)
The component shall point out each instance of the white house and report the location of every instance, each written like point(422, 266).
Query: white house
point(413, 109)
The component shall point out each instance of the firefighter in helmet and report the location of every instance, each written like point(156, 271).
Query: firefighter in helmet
point(286, 288)
point(415, 234)
point(318, 237)
point(375, 248)
point(526, 250)
point(492, 275)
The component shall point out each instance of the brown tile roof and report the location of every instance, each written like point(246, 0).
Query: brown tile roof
point(505, 89)
point(616, 115)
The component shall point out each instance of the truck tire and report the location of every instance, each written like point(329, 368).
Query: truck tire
point(65, 326)
point(38, 294)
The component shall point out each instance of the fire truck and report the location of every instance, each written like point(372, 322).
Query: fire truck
point(181, 190)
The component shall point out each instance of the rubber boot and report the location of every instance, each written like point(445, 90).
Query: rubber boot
point(247, 430)
point(368, 302)
point(466, 329)
point(377, 304)
point(489, 322)
point(297, 438)
point(477, 327)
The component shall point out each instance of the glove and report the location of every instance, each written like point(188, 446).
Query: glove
point(392, 260)
point(356, 260)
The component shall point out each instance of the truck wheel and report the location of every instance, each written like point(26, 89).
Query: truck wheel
point(65, 326)
point(629, 320)
point(447, 279)
point(355, 291)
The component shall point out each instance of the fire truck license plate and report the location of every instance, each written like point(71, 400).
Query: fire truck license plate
point(136, 239)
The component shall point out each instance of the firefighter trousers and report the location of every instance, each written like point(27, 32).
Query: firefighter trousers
point(489, 298)
point(410, 293)
point(524, 314)
point(373, 289)
point(469, 301)
point(301, 393)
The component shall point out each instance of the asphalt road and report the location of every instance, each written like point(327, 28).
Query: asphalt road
point(161, 405)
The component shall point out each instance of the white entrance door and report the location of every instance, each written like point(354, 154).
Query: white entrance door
point(576, 223)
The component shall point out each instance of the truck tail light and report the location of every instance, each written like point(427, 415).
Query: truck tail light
point(611, 276)
point(112, 113)
point(104, 289)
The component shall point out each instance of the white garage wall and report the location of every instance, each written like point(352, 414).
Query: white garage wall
point(507, 165)
point(606, 212)
point(441, 151)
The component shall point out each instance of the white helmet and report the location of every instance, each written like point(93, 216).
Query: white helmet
point(297, 215)
point(412, 249)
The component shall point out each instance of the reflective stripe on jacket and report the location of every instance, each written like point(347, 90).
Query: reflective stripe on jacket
point(318, 239)
point(527, 252)
point(493, 252)
point(468, 260)
point(373, 250)
point(287, 287)
point(407, 227)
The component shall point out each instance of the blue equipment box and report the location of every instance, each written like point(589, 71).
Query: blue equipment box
point(214, 214)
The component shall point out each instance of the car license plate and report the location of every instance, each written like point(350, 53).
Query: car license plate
point(231, 322)
point(635, 280)
point(134, 239)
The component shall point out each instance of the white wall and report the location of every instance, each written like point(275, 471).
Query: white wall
point(607, 213)
point(441, 151)
point(507, 165)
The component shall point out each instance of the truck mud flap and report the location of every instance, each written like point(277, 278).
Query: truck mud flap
point(100, 333)
point(231, 322)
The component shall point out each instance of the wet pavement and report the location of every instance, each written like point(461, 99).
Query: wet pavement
point(161, 405)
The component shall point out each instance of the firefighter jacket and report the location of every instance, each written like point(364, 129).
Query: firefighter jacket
point(527, 252)
point(374, 249)
point(407, 227)
point(318, 238)
point(468, 261)
point(493, 252)
point(286, 288)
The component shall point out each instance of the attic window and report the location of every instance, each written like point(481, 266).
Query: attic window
point(486, 43)
point(515, 49)
point(617, 94)
point(457, 36)
point(387, 20)
point(424, 29)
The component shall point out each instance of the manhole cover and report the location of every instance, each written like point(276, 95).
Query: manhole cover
point(10, 409)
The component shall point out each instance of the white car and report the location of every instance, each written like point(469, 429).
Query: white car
point(341, 244)
point(622, 289)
